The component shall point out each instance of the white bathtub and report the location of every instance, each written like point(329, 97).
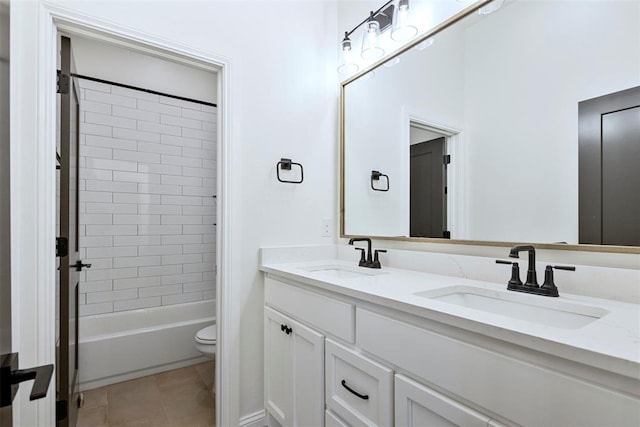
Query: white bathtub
point(121, 346)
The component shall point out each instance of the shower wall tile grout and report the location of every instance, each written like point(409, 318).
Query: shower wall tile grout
point(147, 205)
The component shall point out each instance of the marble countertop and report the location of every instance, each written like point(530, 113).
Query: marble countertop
point(611, 342)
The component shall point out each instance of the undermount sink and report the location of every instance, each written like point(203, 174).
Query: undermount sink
point(341, 271)
point(531, 308)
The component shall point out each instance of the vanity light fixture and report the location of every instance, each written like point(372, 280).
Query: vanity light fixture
point(348, 66)
point(371, 40)
point(375, 24)
point(402, 28)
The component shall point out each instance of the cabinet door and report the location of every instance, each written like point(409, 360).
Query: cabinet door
point(308, 375)
point(420, 406)
point(277, 367)
point(294, 371)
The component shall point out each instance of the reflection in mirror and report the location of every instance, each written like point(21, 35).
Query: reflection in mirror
point(502, 90)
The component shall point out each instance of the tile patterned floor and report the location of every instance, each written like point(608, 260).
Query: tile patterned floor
point(178, 398)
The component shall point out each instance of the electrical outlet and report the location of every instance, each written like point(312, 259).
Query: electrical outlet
point(326, 228)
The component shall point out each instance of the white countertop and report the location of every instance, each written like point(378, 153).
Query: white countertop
point(611, 342)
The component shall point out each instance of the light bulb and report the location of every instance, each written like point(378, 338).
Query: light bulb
point(371, 41)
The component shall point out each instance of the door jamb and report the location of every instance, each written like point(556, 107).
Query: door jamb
point(33, 144)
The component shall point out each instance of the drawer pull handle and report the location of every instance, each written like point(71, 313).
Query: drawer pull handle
point(361, 396)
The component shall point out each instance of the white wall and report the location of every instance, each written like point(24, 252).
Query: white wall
point(106, 61)
point(283, 103)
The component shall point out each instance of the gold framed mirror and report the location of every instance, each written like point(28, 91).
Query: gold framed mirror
point(501, 91)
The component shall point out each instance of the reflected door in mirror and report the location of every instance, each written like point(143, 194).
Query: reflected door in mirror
point(427, 189)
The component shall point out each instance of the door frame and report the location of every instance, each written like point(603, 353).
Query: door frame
point(33, 195)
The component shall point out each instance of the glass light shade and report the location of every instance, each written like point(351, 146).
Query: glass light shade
point(402, 28)
point(348, 64)
point(424, 44)
point(392, 62)
point(491, 7)
point(371, 41)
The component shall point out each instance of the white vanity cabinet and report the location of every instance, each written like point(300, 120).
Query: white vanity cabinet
point(349, 362)
point(294, 371)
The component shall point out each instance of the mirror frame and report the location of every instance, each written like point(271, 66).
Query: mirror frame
point(434, 31)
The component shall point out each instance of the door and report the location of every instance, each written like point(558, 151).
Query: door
point(5, 259)
point(609, 177)
point(427, 189)
point(68, 242)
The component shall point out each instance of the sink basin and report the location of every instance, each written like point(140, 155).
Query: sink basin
point(341, 271)
point(531, 308)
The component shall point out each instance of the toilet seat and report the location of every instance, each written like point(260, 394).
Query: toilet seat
point(207, 336)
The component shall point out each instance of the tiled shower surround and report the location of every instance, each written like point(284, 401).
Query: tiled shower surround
point(147, 205)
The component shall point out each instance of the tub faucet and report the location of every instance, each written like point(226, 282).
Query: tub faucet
point(369, 260)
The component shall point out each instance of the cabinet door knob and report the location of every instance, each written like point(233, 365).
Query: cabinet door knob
point(361, 396)
point(287, 330)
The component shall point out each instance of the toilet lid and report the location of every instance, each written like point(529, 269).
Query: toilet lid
point(207, 335)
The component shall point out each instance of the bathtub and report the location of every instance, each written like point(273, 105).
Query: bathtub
point(121, 346)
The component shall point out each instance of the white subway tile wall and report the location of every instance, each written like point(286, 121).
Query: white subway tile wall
point(147, 205)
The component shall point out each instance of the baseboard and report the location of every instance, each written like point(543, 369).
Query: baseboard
point(256, 419)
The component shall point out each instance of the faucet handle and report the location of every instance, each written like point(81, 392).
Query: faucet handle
point(363, 261)
point(515, 281)
point(549, 287)
point(376, 261)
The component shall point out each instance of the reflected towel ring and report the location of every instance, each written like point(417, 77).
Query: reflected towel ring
point(375, 176)
point(286, 164)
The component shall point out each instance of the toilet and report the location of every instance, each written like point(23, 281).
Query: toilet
point(206, 341)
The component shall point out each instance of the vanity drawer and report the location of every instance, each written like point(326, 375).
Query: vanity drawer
point(358, 389)
point(519, 391)
point(334, 317)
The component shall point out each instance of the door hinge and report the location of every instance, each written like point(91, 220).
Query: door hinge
point(62, 83)
point(446, 234)
point(62, 246)
point(61, 410)
point(446, 159)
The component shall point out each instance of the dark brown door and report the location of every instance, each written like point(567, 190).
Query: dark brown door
point(427, 214)
point(5, 257)
point(70, 263)
point(609, 171)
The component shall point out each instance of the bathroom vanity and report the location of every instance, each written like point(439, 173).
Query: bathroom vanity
point(353, 346)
